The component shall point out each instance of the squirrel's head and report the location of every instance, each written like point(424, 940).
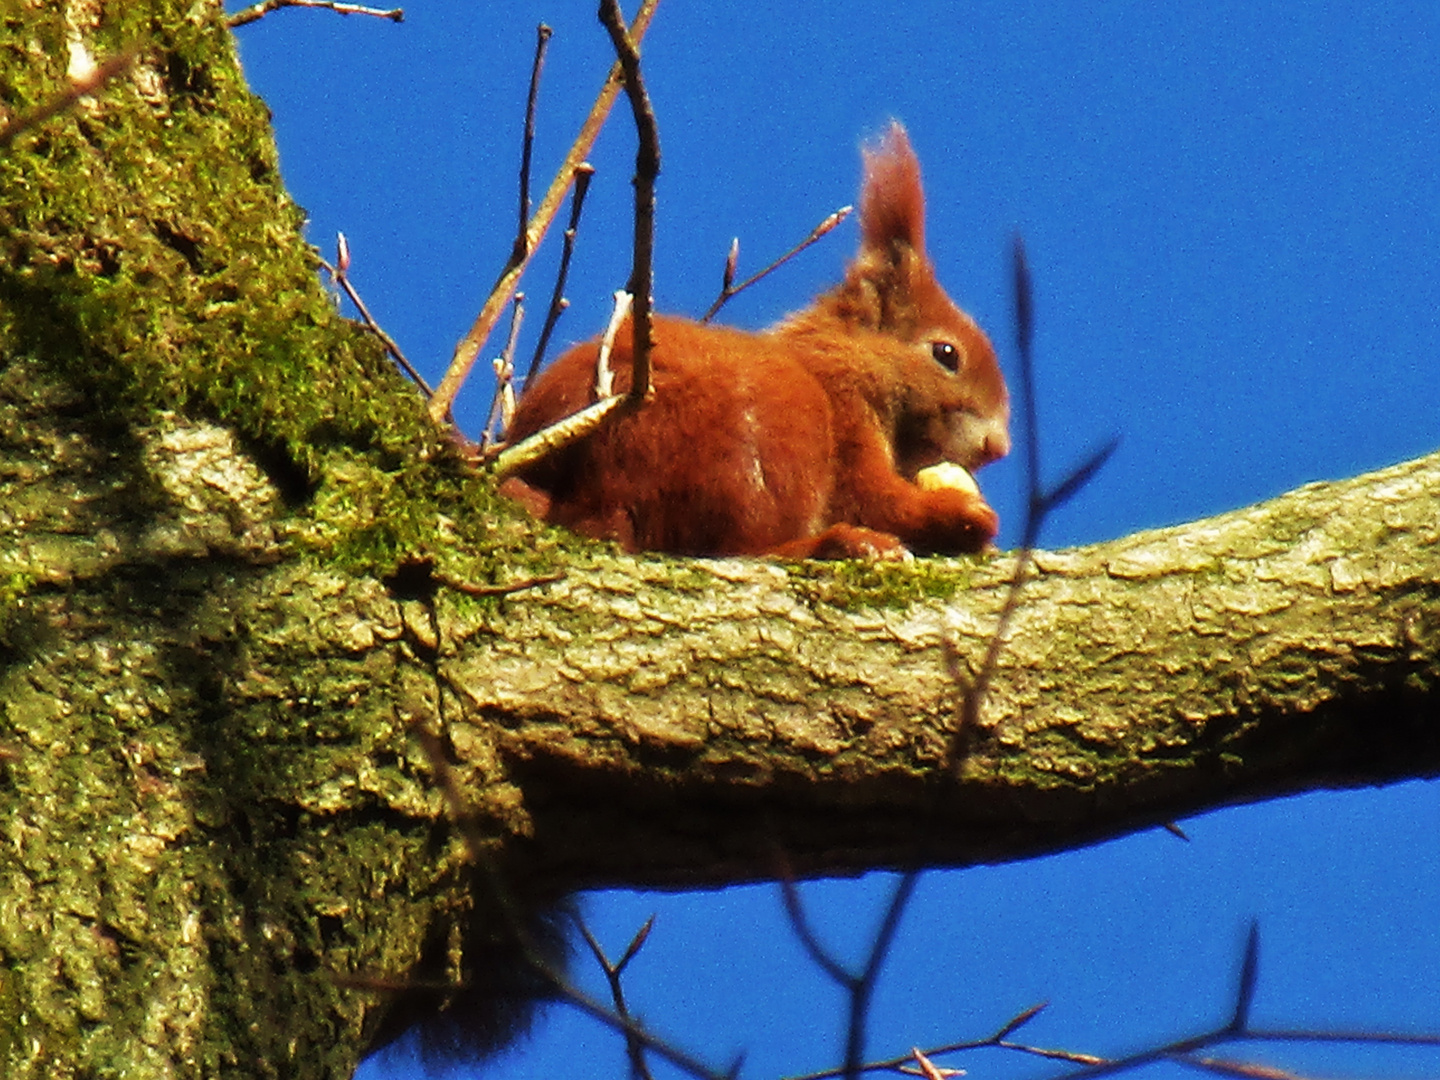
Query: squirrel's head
point(947, 395)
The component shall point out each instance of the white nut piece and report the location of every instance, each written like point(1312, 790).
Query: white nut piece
point(947, 475)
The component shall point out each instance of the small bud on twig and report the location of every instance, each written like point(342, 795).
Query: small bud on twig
point(339, 273)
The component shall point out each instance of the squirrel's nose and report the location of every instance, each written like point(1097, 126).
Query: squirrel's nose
point(994, 445)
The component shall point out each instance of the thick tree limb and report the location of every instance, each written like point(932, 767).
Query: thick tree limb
point(683, 719)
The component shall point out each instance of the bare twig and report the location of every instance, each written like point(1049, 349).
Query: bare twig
point(258, 11)
point(1183, 1051)
point(542, 39)
point(340, 274)
point(1249, 971)
point(1240, 1070)
point(859, 985)
point(508, 589)
point(998, 1039)
point(1382, 1038)
point(1016, 1022)
point(1187, 1050)
point(647, 168)
point(67, 99)
point(732, 264)
point(929, 1070)
point(728, 289)
point(613, 972)
point(502, 402)
point(470, 345)
point(583, 172)
point(1190, 1050)
point(512, 459)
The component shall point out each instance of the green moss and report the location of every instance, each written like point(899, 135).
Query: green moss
point(854, 585)
point(150, 256)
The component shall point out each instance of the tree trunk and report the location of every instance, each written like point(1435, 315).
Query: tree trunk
point(228, 599)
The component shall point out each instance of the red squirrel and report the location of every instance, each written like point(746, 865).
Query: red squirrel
point(804, 440)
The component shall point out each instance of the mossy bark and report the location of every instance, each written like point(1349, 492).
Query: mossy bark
point(225, 531)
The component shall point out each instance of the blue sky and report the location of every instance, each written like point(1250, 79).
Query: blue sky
point(1233, 218)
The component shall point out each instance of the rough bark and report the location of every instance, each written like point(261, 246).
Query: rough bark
point(677, 723)
point(226, 529)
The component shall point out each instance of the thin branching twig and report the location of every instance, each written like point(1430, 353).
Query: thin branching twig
point(1193, 1051)
point(258, 11)
point(727, 287)
point(999, 1039)
point(614, 970)
point(474, 340)
point(647, 168)
point(1187, 1051)
point(860, 986)
point(511, 459)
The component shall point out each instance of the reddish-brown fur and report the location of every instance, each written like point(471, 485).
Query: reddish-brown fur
point(803, 440)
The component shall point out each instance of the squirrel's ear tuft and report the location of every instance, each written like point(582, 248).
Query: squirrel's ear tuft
point(892, 200)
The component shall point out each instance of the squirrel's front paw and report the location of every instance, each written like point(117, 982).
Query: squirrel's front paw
point(959, 523)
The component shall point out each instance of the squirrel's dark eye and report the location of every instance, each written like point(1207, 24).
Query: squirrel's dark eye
point(946, 355)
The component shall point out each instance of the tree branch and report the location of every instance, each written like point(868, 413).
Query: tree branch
point(256, 12)
point(1280, 647)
